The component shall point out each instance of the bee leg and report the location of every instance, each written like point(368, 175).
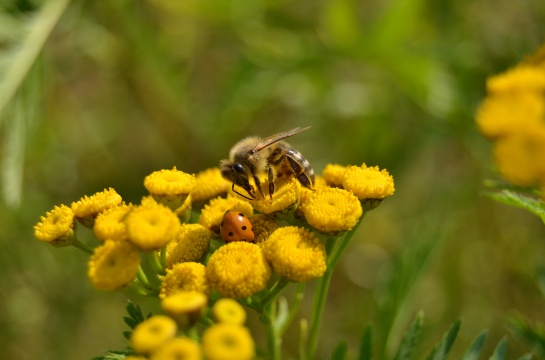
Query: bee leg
point(271, 182)
point(299, 172)
point(258, 184)
point(244, 196)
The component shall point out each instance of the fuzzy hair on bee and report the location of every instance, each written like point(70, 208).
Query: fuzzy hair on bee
point(253, 156)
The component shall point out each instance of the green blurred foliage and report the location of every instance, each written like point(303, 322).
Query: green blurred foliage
point(118, 89)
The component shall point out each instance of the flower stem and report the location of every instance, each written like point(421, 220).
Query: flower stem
point(142, 281)
point(276, 289)
point(299, 295)
point(322, 288)
point(153, 259)
point(81, 246)
point(274, 339)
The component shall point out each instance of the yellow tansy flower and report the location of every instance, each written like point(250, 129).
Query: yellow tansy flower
point(296, 253)
point(519, 79)
point(178, 349)
point(238, 270)
point(151, 226)
point(229, 311)
point(191, 244)
point(110, 224)
point(284, 200)
point(186, 307)
point(113, 265)
point(134, 357)
point(210, 184)
point(170, 187)
point(153, 333)
point(368, 182)
point(332, 210)
point(333, 174)
point(56, 227)
point(212, 213)
point(228, 342)
point(521, 159)
point(87, 208)
point(263, 226)
point(185, 277)
point(506, 114)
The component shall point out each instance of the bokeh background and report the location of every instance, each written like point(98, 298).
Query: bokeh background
point(101, 93)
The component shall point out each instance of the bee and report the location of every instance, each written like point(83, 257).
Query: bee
point(254, 156)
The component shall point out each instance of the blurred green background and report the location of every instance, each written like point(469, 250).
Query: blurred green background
point(96, 94)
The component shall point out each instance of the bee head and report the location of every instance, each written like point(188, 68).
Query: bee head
point(237, 174)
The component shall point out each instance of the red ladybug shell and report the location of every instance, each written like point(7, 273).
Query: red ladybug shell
point(235, 226)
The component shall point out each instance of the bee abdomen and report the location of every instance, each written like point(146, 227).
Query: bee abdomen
point(301, 167)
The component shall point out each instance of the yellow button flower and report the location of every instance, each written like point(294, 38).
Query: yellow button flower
point(186, 307)
point(228, 342)
point(56, 227)
point(191, 244)
point(263, 226)
point(229, 311)
point(285, 198)
point(87, 208)
point(521, 159)
point(185, 277)
point(212, 213)
point(113, 265)
point(178, 349)
point(151, 226)
point(332, 210)
point(333, 174)
point(210, 184)
point(238, 270)
point(152, 333)
point(519, 79)
point(296, 253)
point(368, 182)
point(170, 187)
point(110, 224)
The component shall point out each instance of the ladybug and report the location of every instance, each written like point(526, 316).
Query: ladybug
point(236, 226)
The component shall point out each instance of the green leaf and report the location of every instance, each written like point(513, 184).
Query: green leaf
point(476, 346)
point(499, 352)
point(531, 334)
point(509, 197)
point(411, 337)
point(135, 312)
point(113, 355)
point(127, 334)
point(442, 348)
point(339, 353)
point(526, 357)
point(130, 322)
point(366, 345)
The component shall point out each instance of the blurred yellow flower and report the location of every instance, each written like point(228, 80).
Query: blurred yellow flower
point(212, 213)
point(178, 349)
point(113, 265)
point(229, 311)
point(151, 226)
point(110, 224)
point(87, 208)
point(296, 253)
point(333, 174)
point(521, 159)
point(263, 226)
point(284, 200)
point(228, 342)
point(170, 187)
point(185, 277)
point(332, 210)
point(238, 270)
point(56, 227)
point(368, 182)
point(519, 79)
point(184, 211)
point(210, 184)
point(186, 307)
point(190, 244)
point(152, 333)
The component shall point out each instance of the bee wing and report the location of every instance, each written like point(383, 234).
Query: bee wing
point(277, 137)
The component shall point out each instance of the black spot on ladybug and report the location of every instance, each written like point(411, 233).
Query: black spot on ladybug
point(252, 229)
point(244, 227)
point(241, 214)
point(221, 224)
point(230, 233)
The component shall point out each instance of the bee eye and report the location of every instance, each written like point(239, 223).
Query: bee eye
point(239, 169)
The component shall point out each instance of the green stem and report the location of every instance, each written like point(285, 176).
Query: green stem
point(153, 259)
point(273, 337)
point(163, 257)
point(322, 287)
point(142, 280)
point(303, 337)
point(276, 289)
point(299, 295)
point(81, 246)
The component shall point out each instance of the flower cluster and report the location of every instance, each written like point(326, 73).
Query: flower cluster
point(196, 275)
point(513, 117)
